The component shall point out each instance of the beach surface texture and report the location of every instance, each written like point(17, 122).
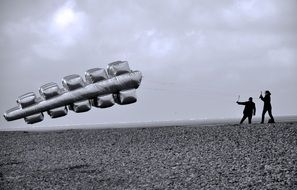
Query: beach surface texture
point(256, 156)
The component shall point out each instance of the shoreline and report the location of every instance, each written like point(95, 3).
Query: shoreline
point(189, 122)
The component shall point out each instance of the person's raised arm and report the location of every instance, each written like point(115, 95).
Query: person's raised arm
point(261, 97)
point(240, 103)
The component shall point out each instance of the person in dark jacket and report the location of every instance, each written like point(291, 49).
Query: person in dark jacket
point(267, 106)
point(249, 110)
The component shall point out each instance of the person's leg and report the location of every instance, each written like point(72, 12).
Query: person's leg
point(243, 118)
point(263, 115)
point(250, 119)
point(270, 114)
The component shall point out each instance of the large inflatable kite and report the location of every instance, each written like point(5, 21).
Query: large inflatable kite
point(100, 89)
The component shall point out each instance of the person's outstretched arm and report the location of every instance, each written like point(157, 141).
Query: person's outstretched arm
point(241, 103)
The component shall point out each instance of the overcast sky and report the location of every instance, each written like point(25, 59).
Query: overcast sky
point(196, 56)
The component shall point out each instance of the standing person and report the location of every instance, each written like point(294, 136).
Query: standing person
point(249, 110)
point(267, 106)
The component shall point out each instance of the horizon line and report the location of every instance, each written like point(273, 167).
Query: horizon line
point(145, 124)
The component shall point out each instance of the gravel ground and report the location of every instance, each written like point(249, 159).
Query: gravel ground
point(258, 156)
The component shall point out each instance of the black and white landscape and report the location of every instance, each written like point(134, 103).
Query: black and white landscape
point(197, 58)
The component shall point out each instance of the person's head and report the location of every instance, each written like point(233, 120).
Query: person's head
point(267, 92)
point(250, 99)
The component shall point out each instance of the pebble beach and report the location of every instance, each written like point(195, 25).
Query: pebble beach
point(226, 156)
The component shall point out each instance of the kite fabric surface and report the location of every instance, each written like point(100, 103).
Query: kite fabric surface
point(100, 89)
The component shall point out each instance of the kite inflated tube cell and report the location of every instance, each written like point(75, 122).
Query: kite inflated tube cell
point(95, 75)
point(117, 68)
point(49, 90)
point(101, 89)
point(103, 101)
point(58, 112)
point(125, 97)
point(26, 99)
point(80, 106)
point(73, 82)
point(34, 118)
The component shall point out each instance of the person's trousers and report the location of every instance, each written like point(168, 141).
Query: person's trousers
point(246, 116)
point(269, 113)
